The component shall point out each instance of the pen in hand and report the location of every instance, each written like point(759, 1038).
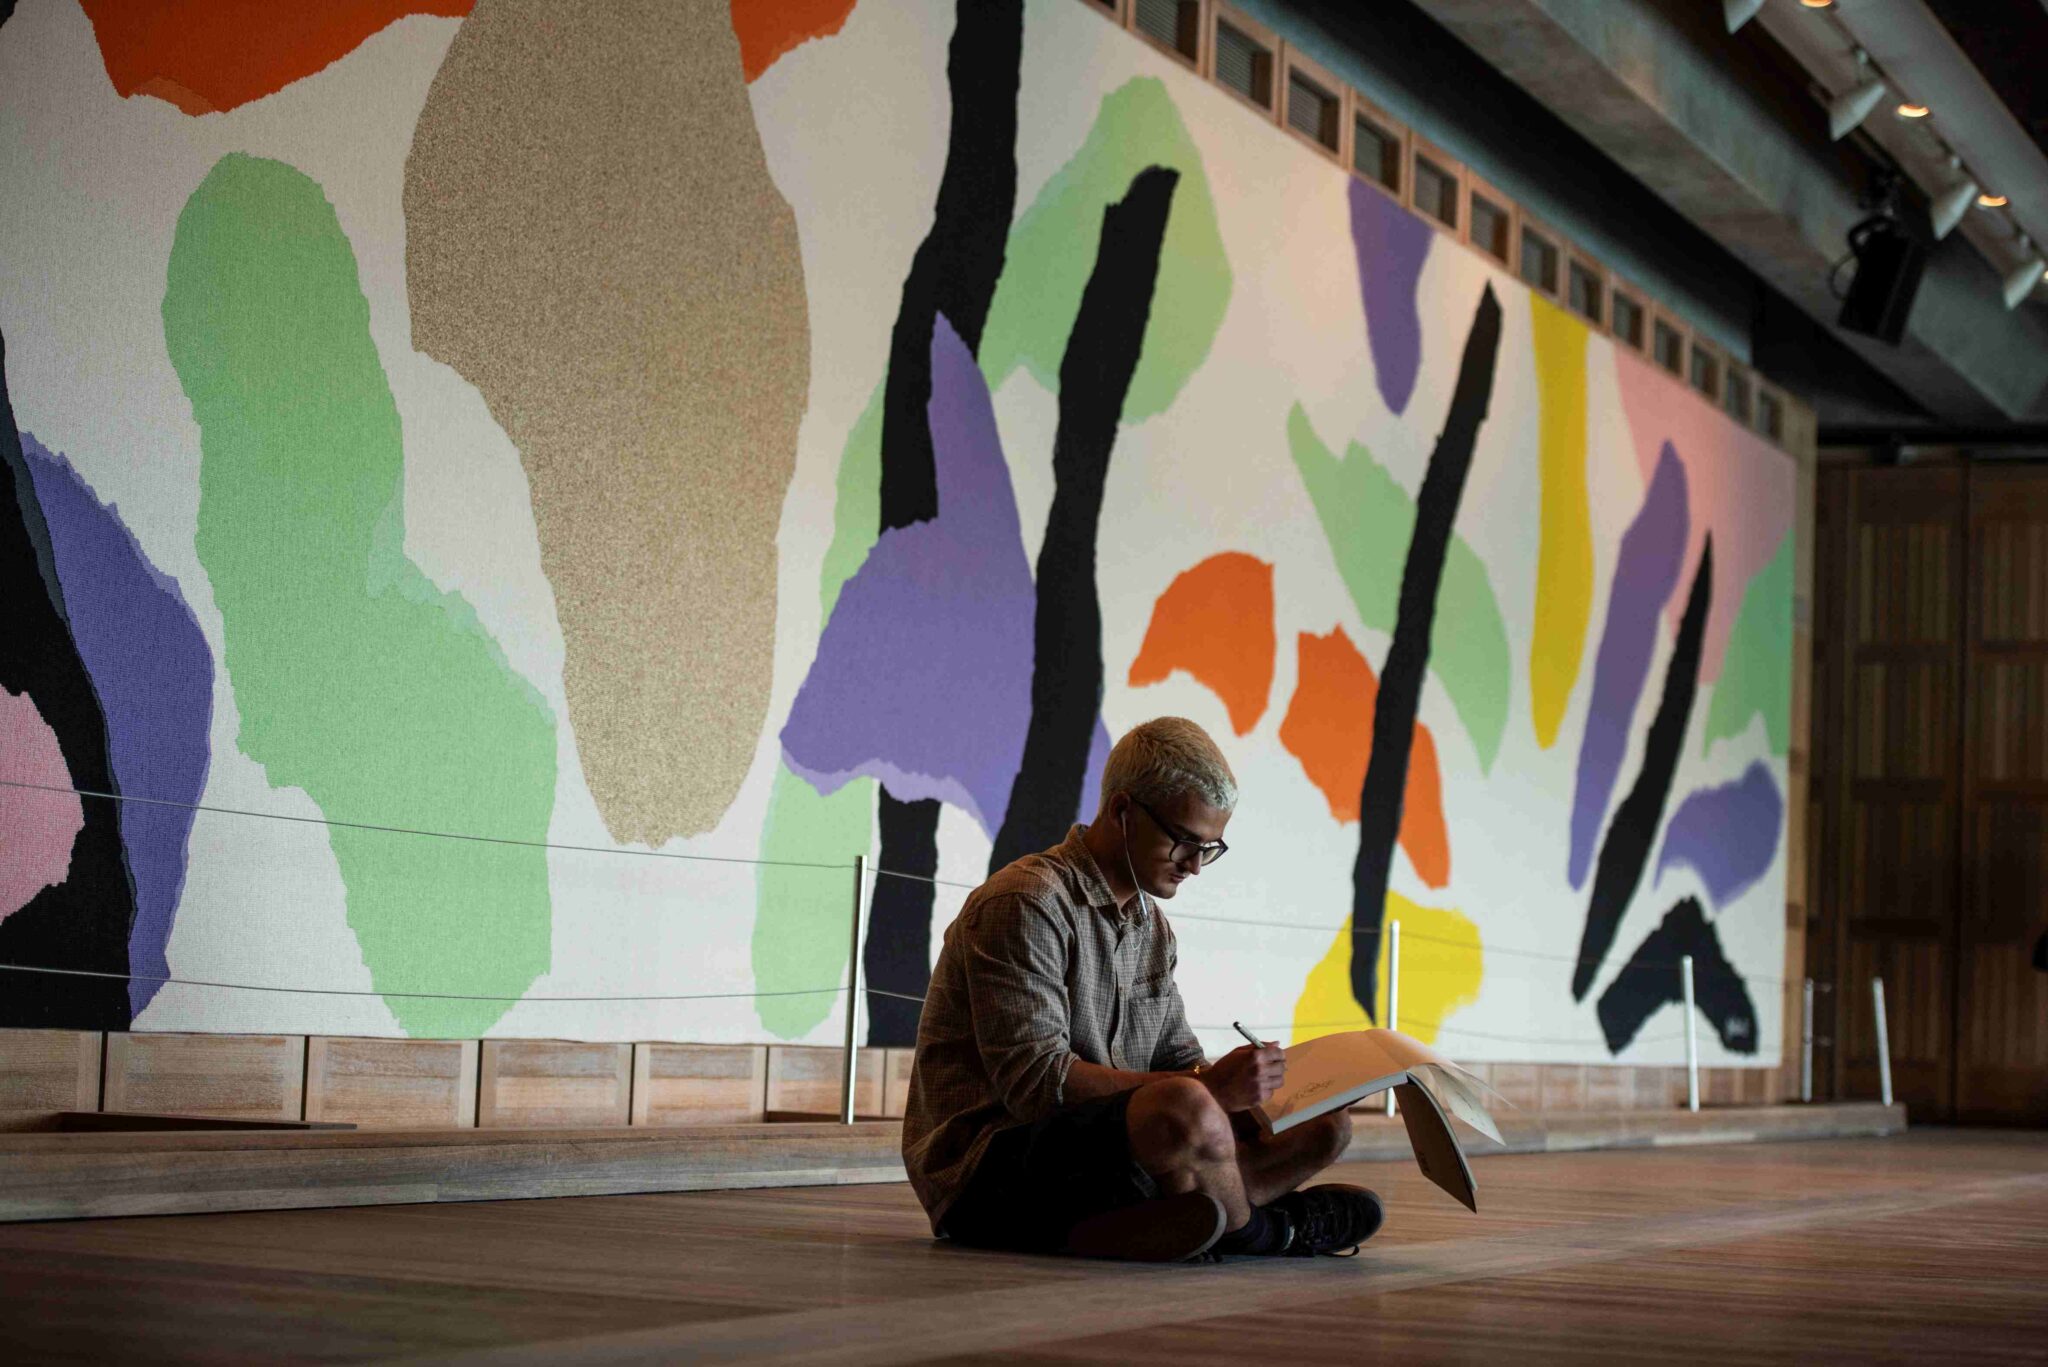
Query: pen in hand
point(1250, 1038)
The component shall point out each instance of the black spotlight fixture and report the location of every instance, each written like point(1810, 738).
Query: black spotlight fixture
point(1890, 258)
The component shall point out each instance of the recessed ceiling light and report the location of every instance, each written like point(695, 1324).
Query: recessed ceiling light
point(1987, 200)
point(1816, 4)
point(1909, 110)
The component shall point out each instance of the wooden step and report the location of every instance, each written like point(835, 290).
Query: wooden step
point(46, 1176)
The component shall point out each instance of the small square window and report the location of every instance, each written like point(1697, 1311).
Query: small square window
point(1628, 319)
point(1770, 415)
point(1244, 64)
point(1312, 111)
point(1436, 191)
point(1669, 347)
point(1490, 227)
point(1706, 372)
point(1175, 25)
point(1376, 153)
point(1735, 395)
point(1584, 293)
point(1539, 261)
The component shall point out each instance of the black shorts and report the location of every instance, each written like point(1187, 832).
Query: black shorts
point(1038, 1180)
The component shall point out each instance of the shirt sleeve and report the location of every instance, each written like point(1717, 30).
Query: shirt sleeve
point(1178, 1047)
point(1015, 968)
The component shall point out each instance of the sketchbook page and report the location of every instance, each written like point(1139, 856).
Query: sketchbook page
point(1436, 1149)
point(1325, 1073)
point(1460, 1097)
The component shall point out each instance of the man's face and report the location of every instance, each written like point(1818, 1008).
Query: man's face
point(1162, 842)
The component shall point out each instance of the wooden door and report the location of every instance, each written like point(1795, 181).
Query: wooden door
point(1891, 715)
point(2001, 999)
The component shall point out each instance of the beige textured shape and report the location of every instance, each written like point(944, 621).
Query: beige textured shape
point(46, 1071)
point(594, 242)
point(699, 1084)
point(232, 1077)
point(531, 1083)
point(392, 1084)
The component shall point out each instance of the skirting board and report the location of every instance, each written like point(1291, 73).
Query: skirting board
point(77, 1176)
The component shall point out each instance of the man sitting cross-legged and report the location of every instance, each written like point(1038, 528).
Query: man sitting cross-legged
point(1059, 1101)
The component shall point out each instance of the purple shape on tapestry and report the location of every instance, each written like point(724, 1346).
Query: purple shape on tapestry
point(1727, 835)
point(151, 667)
point(1391, 244)
point(923, 674)
point(1645, 573)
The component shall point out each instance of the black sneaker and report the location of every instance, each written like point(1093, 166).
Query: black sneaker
point(1333, 1219)
point(1167, 1229)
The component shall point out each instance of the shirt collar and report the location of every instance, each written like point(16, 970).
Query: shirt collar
point(1074, 850)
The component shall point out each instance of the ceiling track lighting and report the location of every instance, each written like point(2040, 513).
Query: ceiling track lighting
point(1736, 13)
point(1909, 110)
point(2021, 279)
point(1988, 200)
point(1949, 206)
point(1847, 111)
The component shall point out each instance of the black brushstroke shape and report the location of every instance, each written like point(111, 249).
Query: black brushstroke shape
point(1095, 375)
point(82, 922)
point(954, 273)
point(1400, 692)
point(1651, 980)
point(958, 263)
point(899, 961)
point(1626, 850)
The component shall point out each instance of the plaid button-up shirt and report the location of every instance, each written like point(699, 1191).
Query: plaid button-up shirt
point(1038, 970)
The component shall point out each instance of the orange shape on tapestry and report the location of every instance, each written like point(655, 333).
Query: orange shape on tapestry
point(1215, 621)
point(1328, 728)
point(206, 56)
point(769, 29)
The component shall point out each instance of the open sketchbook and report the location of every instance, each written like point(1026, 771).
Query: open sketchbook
point(1337, 1070)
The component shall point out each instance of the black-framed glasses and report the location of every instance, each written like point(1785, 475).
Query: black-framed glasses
point(1206, 852)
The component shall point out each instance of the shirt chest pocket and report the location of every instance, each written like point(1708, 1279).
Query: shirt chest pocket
point(1145, 1011)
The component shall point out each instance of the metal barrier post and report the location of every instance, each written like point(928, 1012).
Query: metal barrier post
point(1806, 1042)
point(1884, 1042)
point(852, 1059)
point(1692, 1037)
point(1393, 989)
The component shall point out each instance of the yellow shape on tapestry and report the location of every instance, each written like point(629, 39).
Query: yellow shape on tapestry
point(1564, 558)
point(1442, 965)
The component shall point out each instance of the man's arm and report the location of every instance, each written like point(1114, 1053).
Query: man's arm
point(1240, 1080)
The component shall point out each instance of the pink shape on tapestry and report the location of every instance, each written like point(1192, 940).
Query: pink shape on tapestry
point(40, 826)
point(1742, 488)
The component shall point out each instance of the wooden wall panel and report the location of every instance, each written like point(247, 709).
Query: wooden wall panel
point(699, 1084)
point(2001, 999)
point(46, 1071)
point(896, 1081)
point(805, 1079)
point(236, 1077)
point(392, 1084)
point(525, 1084)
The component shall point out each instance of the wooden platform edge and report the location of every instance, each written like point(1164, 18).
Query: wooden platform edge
point(47, 1176)
point(1378, 1137)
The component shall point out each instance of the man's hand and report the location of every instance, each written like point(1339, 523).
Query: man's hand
point(1245, 1076)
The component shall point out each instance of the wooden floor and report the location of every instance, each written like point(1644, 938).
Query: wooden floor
point(1931, 1246)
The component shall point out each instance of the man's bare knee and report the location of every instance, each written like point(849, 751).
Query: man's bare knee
point(1176, 1123)
point(1336, 1138)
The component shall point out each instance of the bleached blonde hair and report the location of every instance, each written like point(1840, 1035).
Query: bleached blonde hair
point(1158, 760)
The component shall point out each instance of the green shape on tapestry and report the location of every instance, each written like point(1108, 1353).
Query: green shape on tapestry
point(802, 921)
point(1756, 672)
point(857, 511)
point(1369, 519)
point(1051, 253)
point(357, 679)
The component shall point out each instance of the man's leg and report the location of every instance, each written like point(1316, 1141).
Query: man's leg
point(1270, 1166)
point(1184, 1140)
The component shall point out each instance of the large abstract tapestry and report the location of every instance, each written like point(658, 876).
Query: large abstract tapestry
point(501, 502)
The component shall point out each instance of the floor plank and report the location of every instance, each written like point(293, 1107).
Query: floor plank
point(1867, 1249)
